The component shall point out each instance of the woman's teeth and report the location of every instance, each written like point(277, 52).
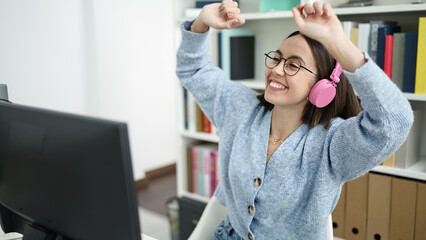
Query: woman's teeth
point(277, 85)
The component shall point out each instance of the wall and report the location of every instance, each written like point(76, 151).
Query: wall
point(101, 58)
point(135, 63)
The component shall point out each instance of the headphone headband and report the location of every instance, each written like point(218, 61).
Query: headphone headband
point(335, 75)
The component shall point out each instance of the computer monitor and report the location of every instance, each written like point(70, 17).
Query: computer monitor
point(65, 176)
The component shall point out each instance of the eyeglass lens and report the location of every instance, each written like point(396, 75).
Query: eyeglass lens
point(291, 65)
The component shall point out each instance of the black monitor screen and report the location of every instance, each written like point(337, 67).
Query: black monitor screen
point(66, 174)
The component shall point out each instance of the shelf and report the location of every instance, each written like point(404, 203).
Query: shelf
point(193, 12)
point(417, 171)
point(342, 11)
point(415, 97)
point(200, 136)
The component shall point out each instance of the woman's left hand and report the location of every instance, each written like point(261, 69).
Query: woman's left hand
point(320, 22)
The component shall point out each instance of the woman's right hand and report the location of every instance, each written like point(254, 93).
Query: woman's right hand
point(223, 15)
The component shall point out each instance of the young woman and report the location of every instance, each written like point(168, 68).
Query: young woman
point(285, 155)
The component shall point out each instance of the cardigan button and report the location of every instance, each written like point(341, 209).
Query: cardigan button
point(251, 210)
point(250, 236)
point(257, 182)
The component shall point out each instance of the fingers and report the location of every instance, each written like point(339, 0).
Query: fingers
point(298, 17)
point(230, 11)
point(317, 8)
point(328, 10)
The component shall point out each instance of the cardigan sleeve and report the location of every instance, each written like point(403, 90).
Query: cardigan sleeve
point(360, 143)
point(221, 99)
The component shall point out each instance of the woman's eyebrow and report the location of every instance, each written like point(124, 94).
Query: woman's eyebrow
point(292, 56)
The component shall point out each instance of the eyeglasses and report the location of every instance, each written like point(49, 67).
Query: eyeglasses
point(292, 65)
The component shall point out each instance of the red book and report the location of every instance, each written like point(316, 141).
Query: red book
point(388, 55)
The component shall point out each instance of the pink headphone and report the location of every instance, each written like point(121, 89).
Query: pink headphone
point(324, 91)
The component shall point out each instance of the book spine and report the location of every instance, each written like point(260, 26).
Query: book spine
point(420, 82)
point(363, 35)
point(380, 55)
point(206, 124)
point(398, 59)
point(410, 59)
point(207, 165)
point(189, 168)
point(195, 169)
point(191, 112)
point(185, 109)
point(201, 171)
point(198, 118)
point(354, 36)
point(201, 4)
point(372, 46)
point(213, 154)
point(388, 55)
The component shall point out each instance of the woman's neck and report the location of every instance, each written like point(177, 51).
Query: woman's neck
point(285, 121)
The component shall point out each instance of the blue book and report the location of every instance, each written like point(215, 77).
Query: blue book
point(381, 36)
point(201, 4)
point(410, 60)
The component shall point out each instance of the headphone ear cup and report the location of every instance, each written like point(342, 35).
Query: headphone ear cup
point(322, 93)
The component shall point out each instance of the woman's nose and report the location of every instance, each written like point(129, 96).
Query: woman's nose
point(279, 69)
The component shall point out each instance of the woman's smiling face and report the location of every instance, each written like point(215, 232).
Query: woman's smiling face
point(285, 90)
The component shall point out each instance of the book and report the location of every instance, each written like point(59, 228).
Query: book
point(374, 28)
point(214, 46)
point(387, 65)
point(185, 109)
point(207, 169)
point(242, 57)
point(213, 171)
point(420, 82)
point(381, 41)
point(200, 170)
point(201, 4)
point(363, 35)
point(198, 118)
point(206, 124)
point(390, 162)
point(410, 59)
point(204, 164)
point(225, 46)
point(347, 26)
point(191, 112)
point(409, 153)
point(194, 177)
point(354, 36)
point(398, 59)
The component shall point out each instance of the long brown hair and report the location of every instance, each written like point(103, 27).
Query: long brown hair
point(345, 105)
